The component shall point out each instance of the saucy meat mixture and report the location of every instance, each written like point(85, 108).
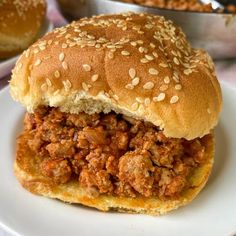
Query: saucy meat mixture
point(182, 5)
point(111, 153)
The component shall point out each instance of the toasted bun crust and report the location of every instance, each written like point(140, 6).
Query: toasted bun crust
point(136, 64)
point(27, 171)
point(20, 22)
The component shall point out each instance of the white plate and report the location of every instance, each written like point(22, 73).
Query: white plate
point(7, 65)
point(213, 212)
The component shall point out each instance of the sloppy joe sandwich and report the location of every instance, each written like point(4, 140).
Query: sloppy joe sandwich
point(120, 114)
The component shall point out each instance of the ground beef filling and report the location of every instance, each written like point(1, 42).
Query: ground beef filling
point(183, 5)
point(111, 154)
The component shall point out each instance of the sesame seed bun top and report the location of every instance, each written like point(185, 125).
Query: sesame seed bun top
point(20, 22)
point(136, 64)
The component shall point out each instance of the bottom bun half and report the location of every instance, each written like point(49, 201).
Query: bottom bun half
point(27, 172)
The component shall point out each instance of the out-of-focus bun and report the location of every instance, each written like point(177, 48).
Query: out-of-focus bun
point(20, 22)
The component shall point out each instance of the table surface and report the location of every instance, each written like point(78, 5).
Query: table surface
point(226, 70)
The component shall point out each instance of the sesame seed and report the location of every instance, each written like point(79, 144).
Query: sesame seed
point(110, 92)
point(72, 44)
point(139, 99)
point(111, 46)
point(91, 37)
point(186, 65)
point(129, 86)
point(179, 54)
point(56, 92)
point(64, 65)
point(176, 61)
point(29, 79)
point(141, 49)
point(174, 53)
point(57, 74)
point(125, 53)
point(44, 87)
point(47, 57)
point(167, 79)
point(149, 57)
point(153, 71)
point(161, 49)
point(134, 106)
point(27, 53)
point(42, 47)
point(140, 32)
point(67, 36)
point(135, 81)
point(148, 85)
point(110, 55)
point(147, 101)
point(176, 74)
point(148, 26)
point(163, 65)
point(36, 51)
point(64, 45)
point(48, 81)
point(85, 87)
point(87, 67)
point(209, 111)
point(194, 66)
point(178, 86)
point(38, 62)
point(144, 60)
point(132, 73)
point(159, 98)
point(61, 56)
point(118, 46)
point(133, 44)
point(91, 43)
point(176, 79)
point(94, 77)
point(115, 97)
point(152, 45)
point(155, 54)
point(163, 87)
point(174, 99)
point(139, 41)
point(136, 27)
point(188, 71)
point(67, 85)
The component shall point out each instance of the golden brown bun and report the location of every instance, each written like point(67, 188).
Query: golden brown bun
point(27, 171)
point(136, 64)
point(20, 22)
